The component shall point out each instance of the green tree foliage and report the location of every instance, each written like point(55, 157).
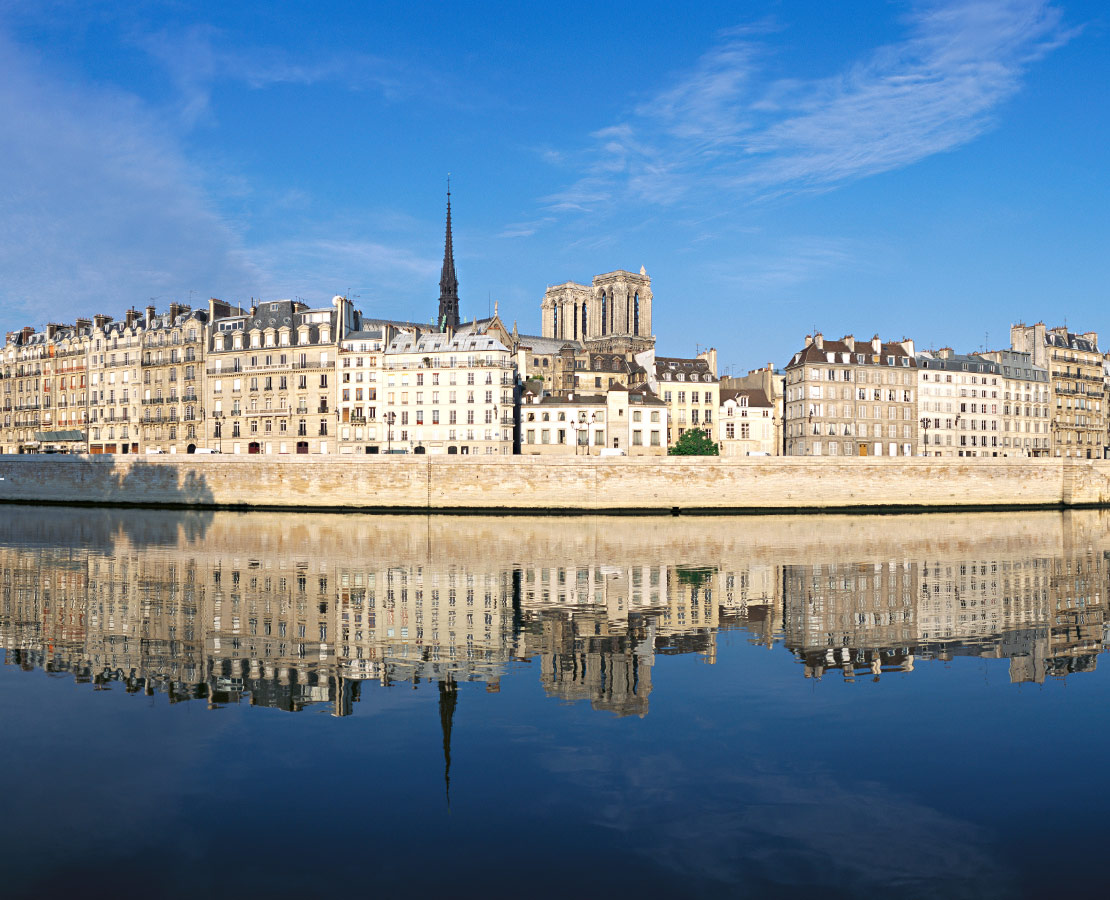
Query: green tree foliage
point(694, 442)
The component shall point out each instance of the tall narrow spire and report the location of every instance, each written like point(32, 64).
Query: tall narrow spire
point(448, 282)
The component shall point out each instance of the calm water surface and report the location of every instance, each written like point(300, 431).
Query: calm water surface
point(290, 705)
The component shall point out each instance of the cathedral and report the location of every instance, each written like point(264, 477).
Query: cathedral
point(613, 315)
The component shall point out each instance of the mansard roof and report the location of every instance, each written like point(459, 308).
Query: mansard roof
point(958, 362)
point(862, 353)
point(756, 397)
point(1059, 337)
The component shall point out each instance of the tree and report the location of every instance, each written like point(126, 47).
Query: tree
point(694, 442)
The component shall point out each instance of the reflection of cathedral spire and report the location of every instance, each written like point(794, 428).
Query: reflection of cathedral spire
point(448, 697)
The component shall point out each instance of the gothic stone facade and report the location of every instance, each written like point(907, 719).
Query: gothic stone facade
point(612, 315)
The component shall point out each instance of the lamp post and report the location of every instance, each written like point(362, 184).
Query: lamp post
point(390, 417)
point(925, 422)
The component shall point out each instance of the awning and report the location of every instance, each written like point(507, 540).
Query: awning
point(54, 437)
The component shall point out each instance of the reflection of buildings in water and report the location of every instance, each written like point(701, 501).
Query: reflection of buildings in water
point(290, 611)
point(1037, 601)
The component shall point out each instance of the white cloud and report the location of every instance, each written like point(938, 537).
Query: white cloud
point(199, 57)
point(99, 207)
point(724, 127)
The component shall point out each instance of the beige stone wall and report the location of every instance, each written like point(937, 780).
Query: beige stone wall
point(555, 483)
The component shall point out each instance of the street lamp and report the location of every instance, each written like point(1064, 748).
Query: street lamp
point(390, 417)
point(925, 421)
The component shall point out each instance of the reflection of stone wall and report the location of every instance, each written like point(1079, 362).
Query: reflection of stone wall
point(434, 482)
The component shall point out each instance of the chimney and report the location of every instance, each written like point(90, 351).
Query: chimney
point(819, 340)
point(101, 321)
point(150, 312)
point(51, 330)
point(945, 353)
point(83, 323)
point(907, 345)
point(174, 310)
point(26, 333)
point(876, 345)
point(1091, 336)
point(850, 342)
point(130, 317)
point(809, 340)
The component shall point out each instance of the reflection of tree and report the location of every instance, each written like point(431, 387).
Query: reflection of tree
point(694, 576)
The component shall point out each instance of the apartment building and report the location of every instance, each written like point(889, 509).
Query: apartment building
point(43, 391)
point(359, 376)
point(1076, 388)
point(172, 365)
point(852, 398)
point(114, 384)
point(747, 423)
point(270, 377)
point(960, 404)
point(631, 422)
point(445, 393)
point(1025, 407)
point(772, 384)
point(689, 387)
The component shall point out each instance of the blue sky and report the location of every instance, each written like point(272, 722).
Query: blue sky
point(929, 170)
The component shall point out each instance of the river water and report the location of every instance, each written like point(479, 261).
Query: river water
point(296, 704)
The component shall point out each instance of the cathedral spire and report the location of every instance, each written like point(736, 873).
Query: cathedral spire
point(448, 282)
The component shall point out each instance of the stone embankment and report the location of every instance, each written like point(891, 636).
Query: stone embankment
point(444, 484)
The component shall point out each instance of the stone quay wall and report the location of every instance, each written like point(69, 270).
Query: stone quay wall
point(437, 483)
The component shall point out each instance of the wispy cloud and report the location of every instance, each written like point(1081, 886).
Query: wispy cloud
point(201, 56)
point(525, 229)
point(796, 261)
point(99, 207)
point(312, 265)
point(723, 126)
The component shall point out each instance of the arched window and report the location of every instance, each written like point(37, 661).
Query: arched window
point(636, 314)
point(574, 315)
point(555, 320)
point(604, 309)
point(584, 305)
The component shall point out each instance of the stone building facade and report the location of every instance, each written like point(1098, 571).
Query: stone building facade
point(445, 393)
point(1077, 388)
point(1025, 407)
point(747, 424)
point(270, 377)
point(852, 398)
point(689, 387)
point(960, 404)
point(612, 315)
point(173, 353)
point(43, 389)
point(632, 422)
